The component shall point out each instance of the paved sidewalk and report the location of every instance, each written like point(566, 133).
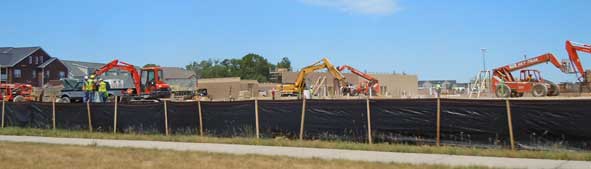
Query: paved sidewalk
point(370, 156)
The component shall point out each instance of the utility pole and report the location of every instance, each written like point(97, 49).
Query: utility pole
point(483, 51)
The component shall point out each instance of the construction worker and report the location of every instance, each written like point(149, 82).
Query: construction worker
point(89, 89)
point(529, 78)
point(438, 89)
point(273, 93)
point(102, 90)
point(85, 98)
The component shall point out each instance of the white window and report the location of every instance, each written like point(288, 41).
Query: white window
point(36, 60)
point(34, 74)
point(40, 59)
point(17, 73)
point(62, 74)
point(47, 74)
point(30, 60)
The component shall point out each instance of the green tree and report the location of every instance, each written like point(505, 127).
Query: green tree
point(251, 66)
point(255, 67)
point(150, 65)
point(284, 63)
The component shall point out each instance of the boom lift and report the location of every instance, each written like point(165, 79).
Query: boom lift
point(148, 83)
point(372, 83)
point(299, 85)
point(505, 85)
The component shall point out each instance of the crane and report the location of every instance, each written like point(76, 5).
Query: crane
point(372, 83)
point(298, 86)
point(148, 83)
point(572, 48)
point(505, 85)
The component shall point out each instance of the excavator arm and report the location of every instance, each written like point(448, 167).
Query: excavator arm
point(572, 48)
point(116, 64)
point(322, 64)
point(373, 82)
point(300, 80)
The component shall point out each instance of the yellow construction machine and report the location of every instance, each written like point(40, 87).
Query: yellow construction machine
point(299, 85)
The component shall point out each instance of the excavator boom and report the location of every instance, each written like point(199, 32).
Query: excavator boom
point(373, 82)
point(116, 64)
point(300, 80)
point(572, 48)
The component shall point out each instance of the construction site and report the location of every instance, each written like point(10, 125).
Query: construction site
point(344, 86)
point(334, 93)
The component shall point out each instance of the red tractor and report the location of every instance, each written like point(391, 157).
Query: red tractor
point(530, 81)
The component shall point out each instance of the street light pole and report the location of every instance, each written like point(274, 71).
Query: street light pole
point(483, 50)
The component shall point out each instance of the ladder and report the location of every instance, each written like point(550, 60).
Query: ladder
point(480, 84)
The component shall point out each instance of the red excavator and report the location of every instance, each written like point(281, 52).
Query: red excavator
point(505, 85)
point(148, 83)
point(572, 48)
point(372, 82)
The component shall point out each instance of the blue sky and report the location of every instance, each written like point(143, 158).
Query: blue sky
point(433, 39)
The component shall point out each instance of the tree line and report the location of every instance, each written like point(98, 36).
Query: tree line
point(251, 67)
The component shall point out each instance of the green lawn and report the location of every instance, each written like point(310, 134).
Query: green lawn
point(555, 154)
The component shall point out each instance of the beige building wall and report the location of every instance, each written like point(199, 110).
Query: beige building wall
point(223, 89)
point(397, 85)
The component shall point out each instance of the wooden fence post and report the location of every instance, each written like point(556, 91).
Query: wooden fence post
point(509, 120)
point(165, 119)
point(200, 117)
point(3, 109)
point(369, 137)
point(115, 116)
point(303, 117)
point(256, 112)
point(89, 116)
point(438, 121)
point(53, 111)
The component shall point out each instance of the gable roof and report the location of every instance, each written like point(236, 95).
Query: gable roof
point(10, 56)
point(47, 62)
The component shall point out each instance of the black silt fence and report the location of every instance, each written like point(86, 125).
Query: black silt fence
point(536, 123)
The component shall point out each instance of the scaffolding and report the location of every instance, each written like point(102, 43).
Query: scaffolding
point(480, 85)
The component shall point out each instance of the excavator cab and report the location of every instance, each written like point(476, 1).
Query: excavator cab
point(151, 83)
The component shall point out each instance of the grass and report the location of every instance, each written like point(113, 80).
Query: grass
point(28, 155)
point(554, 154)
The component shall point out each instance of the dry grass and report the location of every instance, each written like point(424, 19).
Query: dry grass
point(27, 155)
point(555, 154)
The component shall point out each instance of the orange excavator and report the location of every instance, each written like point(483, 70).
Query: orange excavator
point(572, 48)
point(372, 82)
point(505, 85)
point(148, 83)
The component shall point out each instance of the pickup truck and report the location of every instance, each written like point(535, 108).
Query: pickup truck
point(72, 91)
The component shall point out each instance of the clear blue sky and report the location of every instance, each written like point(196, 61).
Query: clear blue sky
point(433, 39)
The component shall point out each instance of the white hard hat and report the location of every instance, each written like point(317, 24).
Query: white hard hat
point(85, 77)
